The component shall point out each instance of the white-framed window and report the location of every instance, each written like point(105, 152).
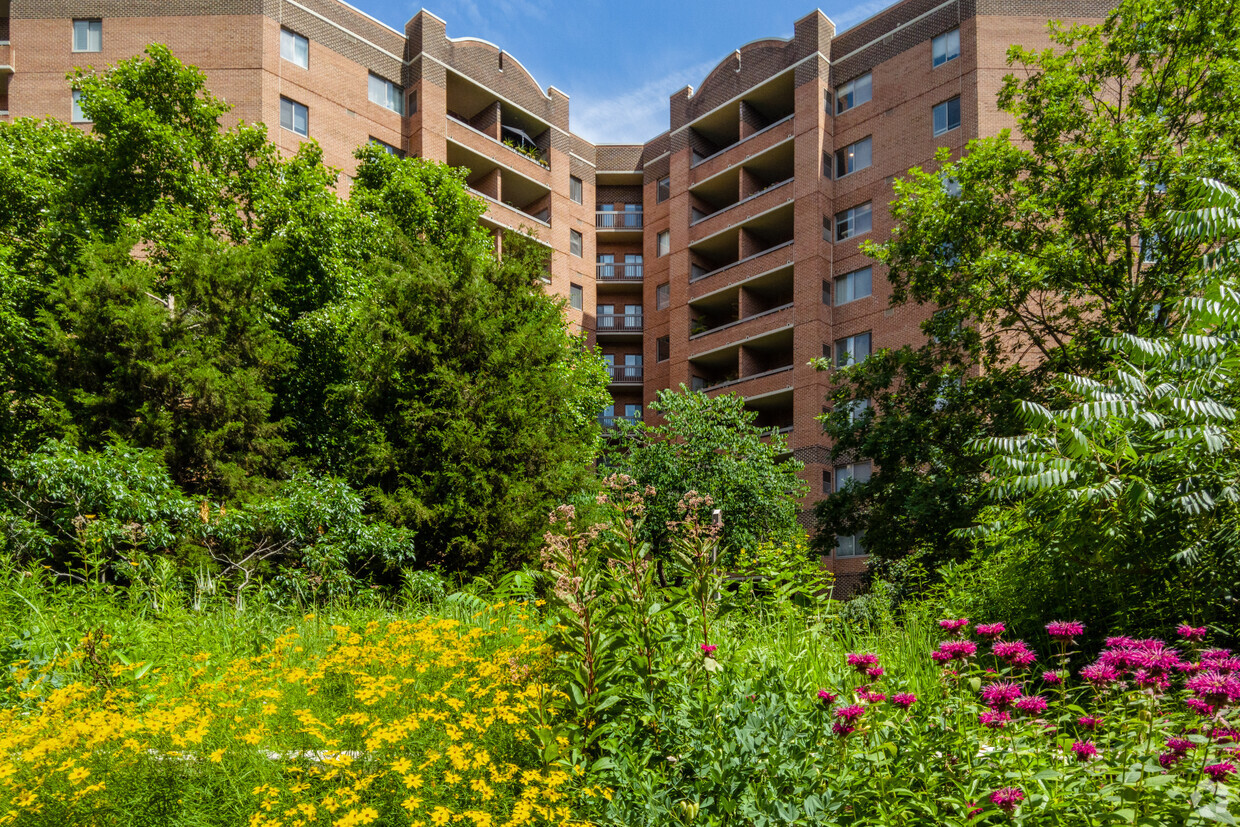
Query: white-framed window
point(854, 93)
point(574, 189)
point(574, 243)
point(386, 147)
point(852, 545)
point(855, 285)
point(852, 349)
point(1149, 248)
point(78, 116)
point(663, 296)
point(854, 157)
point(951, 185)
point(854, 221)
point(663, 243)
point(386, 94)
point(88, 35)
point(945, 47)
point(663, 190)
point(576, 296)
point(633, 412)
point(294, 48)
point(294, 116)
point(947, 116)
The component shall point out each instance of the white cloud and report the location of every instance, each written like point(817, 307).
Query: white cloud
point(634, 116)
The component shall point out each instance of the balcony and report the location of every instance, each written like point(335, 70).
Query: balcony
point(623, 324)
point(625, 374)
point(625, 272)
point(612, 421)
point(619, 225)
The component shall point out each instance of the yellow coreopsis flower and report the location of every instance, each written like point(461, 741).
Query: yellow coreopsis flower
point(440, 816)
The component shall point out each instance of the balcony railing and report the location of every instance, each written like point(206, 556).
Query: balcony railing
point(618, 220)
point(611, 271)
point(625, 373)
point(620, 323)
point(612, 421)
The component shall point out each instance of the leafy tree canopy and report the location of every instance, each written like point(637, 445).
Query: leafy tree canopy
point(1034, 247)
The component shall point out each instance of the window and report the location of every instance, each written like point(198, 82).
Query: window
point(945, 47)
point(78, 115)
point(606, 266)
point(1149, 248)
point(852, 545)
point(294, 48)
point(413, 101)
point(856, 408)
point(663, 348)
point(574, 243)
point(574, 189)
point(853, 222)
point(632, 265)
point(294, 116)
point(576, 296)
point(854, 93)
point(947, 116)
point(88, 35)
point(826, 292)
point(664, 243)
point(951, 185)
point(663, 191)
point(633, 412)
point(855, 285)
point(662, 296)
point(853, 157)
point(826, 482)
point(386, 147)
point(385, 93)
point(852, 349)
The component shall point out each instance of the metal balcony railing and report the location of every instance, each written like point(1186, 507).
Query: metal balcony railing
point(618, 220)
point(610, 271)
point(625, 373)
point(620, 323)
point(612, 421)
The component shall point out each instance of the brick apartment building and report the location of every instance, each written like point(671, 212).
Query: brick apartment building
point(722, 254)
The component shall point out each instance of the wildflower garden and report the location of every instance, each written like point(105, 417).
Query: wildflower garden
point(306, 517)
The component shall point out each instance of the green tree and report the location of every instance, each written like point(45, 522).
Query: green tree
point(1036, 247)
point(712, 446)
point(1135, 480)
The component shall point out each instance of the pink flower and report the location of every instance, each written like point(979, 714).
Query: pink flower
point(841, 728)
point(957, 626)
point(974, 811)
point(958, 649)
point(826, 697)
point(709, 649)
point(1084, 750)
point(1121, 641)
point(1087, 722)
point(1065, 629)
point(850, 713)
point(1220, 772)
point(1052, 678)
point(1013, 653)
point(1100, 674)
point(993, 719)
point(862, 662)
point(1199, 706)
point(1179, 745)
point(1191, 632)
point(1000, 695)
point(1031, 704)
point(874, 672)
point(1007, 799)
point(1215, 688)
point(904, 699)
point(1167, 760)
point(990, 631)
point(873, 697)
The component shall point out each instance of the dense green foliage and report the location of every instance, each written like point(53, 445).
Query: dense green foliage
point(183, 294)
point(711, 445)
point(1036, 247)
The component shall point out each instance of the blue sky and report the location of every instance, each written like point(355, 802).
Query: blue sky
point(618, 71)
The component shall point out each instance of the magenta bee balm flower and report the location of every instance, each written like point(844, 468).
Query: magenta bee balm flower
point(1013, 653)
point(1084, 750)
point(1065, 629)
point(862, 662)
point(709, 648)
point(1088, 722)
point(993, 719)
point(1007, 798)
point(1220, 772)
point(957, 626)
point(990, 631)
point(1194, 633)
point(1052, 678)
point(850, 713)
point(904, 699)
point(826, 697)
point(1000, 695)
point(1031, 704)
